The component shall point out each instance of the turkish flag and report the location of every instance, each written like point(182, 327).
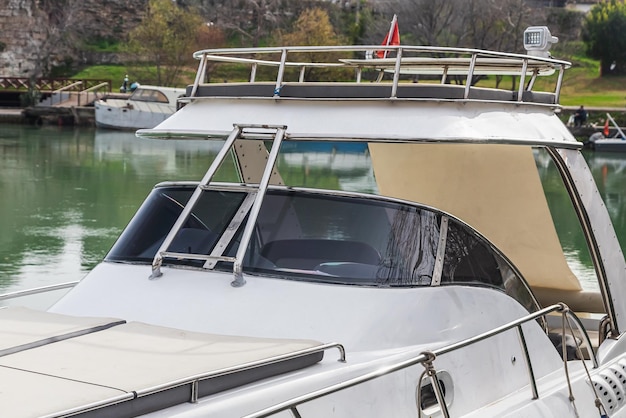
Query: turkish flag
point(392, 38)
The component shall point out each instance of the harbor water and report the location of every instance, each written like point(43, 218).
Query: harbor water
point(67, 193)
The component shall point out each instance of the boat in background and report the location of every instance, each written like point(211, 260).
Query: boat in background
point(146, 107)
point(445, 292)
point(600, 141)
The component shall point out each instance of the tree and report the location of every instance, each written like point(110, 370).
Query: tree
point(166, 39)
point(313, 27)
point(602, 34)
point(485, 24)
point(255, 22)
point(496, 25)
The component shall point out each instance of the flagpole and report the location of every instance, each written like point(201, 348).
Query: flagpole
point(390, 34)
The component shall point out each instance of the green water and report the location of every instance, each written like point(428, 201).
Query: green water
point(67, 193)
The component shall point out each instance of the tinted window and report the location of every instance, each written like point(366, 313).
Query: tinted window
point(319, 237)
point(147, 230)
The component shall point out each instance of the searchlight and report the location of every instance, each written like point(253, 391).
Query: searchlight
point(538, 40)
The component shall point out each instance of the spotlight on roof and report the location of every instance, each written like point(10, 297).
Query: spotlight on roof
point(538, 40)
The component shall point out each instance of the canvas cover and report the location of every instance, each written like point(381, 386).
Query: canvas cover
point(494, 188)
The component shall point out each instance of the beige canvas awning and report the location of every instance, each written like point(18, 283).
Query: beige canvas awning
point(494, 188)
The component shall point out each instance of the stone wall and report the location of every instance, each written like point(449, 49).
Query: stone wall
point(37, 34)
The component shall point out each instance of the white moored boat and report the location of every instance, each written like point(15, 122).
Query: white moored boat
point(146, 107)
point(444, 294)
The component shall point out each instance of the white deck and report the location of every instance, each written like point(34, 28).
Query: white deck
point(116, 365)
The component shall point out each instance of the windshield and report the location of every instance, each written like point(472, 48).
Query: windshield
point(146, 95)
point(313, 236)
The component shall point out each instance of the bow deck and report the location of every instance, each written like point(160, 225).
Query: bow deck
point(61, 365)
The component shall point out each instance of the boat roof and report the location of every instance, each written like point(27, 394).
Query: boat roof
point(366, 99)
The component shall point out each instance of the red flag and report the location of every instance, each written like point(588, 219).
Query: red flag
point(392, 38)
point(606, 127)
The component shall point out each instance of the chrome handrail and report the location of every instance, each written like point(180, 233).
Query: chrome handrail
point(473, 62)
point(426, 359)
point(37, 290)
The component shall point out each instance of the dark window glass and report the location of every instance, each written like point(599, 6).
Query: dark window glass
point(319, 237)
point(469, 260)
point(147, 230)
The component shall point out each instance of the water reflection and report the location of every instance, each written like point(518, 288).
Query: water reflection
point(68, 193)
point(609, 171)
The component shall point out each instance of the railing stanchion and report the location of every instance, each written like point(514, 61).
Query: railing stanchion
point(470, 76)
point(529, 366)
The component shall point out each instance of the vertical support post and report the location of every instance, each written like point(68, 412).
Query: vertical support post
point(194, 392)
point(256, 208)
point(522, 80)
point(302, 72)
point(529, 366)
point(559, 83)
point(253, 72)
point(281, 73)
point(441, 250)
point(396, 73)
point(199, 75)
point(221, 155)
point(444, 75)
point(470, 76)
point(532, 80)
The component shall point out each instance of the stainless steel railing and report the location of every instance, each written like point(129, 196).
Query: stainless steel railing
point(427, 359)
point(37, 290)
point(443, 61)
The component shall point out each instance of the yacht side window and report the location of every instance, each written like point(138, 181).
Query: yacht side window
point(470, 260)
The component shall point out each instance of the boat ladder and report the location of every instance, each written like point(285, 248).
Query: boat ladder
point(246, 142)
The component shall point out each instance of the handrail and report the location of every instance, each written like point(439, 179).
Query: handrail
point(372, 48)
point(444, 61)
point(94, 90)
point(96, 87)
point(59, 92)
point(37, 290)
point(426, 359)
point(69, 86)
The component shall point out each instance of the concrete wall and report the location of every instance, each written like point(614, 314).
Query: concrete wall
point(47, 32)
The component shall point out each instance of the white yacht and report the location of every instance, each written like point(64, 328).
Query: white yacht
point(146, 107)
point(446, 293)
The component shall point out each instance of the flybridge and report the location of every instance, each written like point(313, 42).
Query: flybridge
point(440, 72)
